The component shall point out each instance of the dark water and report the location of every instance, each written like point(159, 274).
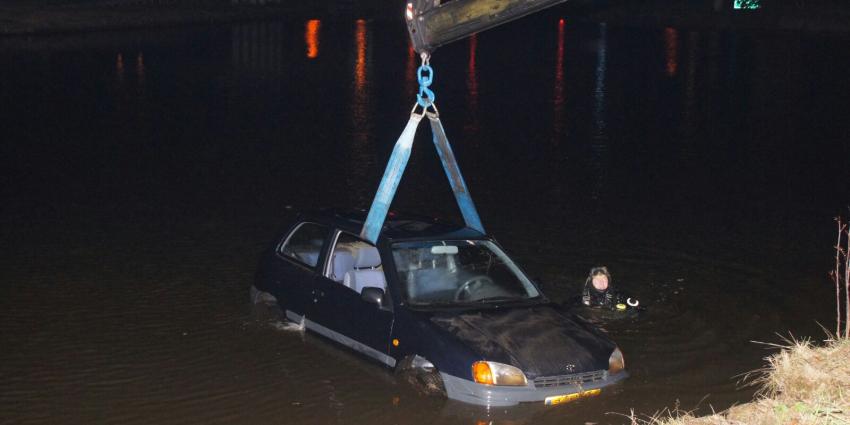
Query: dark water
point(142, 173)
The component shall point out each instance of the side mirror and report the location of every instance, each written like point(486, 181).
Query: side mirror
point(372, 295)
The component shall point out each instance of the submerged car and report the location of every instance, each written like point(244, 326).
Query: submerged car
point(440, 301)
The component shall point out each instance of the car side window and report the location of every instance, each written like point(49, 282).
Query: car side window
point(355, 264)
point(304, 244)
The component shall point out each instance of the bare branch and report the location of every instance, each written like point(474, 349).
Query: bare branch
point(847, 285)
point(836, 277)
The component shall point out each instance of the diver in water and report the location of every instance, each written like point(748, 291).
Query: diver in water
point(599, 292)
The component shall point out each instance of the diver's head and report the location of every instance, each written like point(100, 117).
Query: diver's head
point(600, 278)
point(600, 282)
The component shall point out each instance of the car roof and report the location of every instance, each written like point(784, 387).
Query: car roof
point(398, 225)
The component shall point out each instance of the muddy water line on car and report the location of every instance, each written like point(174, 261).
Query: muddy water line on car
point(144, 173)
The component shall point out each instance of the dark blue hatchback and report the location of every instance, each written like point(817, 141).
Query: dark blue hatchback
point(437, 301)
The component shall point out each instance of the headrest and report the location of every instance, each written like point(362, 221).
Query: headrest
point(367, 257)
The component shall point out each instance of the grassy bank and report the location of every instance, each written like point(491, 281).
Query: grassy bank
point(802, 384)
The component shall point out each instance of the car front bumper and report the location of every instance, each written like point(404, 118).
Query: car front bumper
point(490, 395)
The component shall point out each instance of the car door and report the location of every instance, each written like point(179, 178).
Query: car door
point(371, 324)
point(361, 325)
point(296, 264)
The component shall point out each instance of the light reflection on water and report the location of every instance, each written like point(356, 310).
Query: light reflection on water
point(360, 64)
point(599, 145)
point(140, 68)
point(311, 37)
point(410, 84)
point(599, 88)
point(559, 98)
point(671, 44)
point(135, 226)
point(119, 69)
point(362, 145)
point(471, 127)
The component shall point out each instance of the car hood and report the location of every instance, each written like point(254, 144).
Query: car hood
point(541, 340)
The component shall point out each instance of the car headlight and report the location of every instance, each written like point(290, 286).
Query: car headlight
point(492, 373)
point(616, 363)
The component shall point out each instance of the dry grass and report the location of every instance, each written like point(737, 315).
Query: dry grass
point(801, 385)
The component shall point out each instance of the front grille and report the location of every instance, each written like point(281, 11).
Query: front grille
point(574, 379)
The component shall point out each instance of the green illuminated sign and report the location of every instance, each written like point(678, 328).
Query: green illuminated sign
point(747, 4)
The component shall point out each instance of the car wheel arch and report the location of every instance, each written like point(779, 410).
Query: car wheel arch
point(414, 362)
point(421, 374)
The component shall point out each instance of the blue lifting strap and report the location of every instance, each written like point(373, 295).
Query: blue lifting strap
point(447, 157)
point(389, 183)
point(401, 154)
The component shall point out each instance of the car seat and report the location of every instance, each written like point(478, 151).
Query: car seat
point(367, 271)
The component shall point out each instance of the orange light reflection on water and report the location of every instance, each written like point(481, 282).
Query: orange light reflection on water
point(559, 66)
point(360, 63)
point(361, 148)
point(361, 98)
point(311, 37)
point(671, 45)
point(410, 70)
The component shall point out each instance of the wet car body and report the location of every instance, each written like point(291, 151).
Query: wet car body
point(320, 283)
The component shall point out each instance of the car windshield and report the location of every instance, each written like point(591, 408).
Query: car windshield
point(459, 272)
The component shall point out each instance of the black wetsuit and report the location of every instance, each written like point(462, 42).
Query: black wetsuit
point(610, 298)
point(593, 297)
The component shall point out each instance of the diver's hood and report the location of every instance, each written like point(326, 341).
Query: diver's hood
point(539, 340)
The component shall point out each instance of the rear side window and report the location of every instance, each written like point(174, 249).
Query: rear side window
point(305, 243)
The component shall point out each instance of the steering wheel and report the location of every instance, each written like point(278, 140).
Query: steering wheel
point(475, 282)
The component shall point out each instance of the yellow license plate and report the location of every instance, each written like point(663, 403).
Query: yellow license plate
point(558, 399)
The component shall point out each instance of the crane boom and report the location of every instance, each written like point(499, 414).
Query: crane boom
point(433, 23)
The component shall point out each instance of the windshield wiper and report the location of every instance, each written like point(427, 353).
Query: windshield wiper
point(497, 299)
point(479, 301)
